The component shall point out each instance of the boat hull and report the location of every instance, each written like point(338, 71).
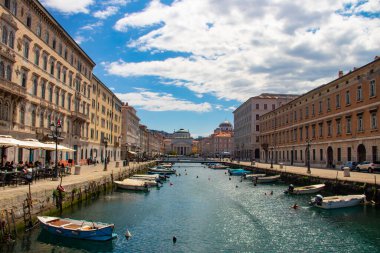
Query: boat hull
point(270, 179)
point(346, 201)
point(307, 190)
point(120, 185)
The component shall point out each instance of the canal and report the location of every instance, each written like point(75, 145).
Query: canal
point(214, 214)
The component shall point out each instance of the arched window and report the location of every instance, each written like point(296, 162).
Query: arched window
point(37, 56)
point(29, 21)
point(5, 112)
point(43, 89)
point(44, 62)
point(52, 67)
point(23, 79)
point(41, 119)
point(26, 49)
point(22, 116)
point(11, 39)
point(58, 71)
point(9, 73)
point(2, 71)
point(33, 118)
point(4, 38)
point(35, 86)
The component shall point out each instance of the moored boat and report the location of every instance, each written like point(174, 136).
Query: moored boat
point(239, 172)
point(266, 179)
point(78, 229)
point(305, 189)
point(161, 170)
point(254, 175)
point(334, 202)
point(132, 184)
point(149, 182)
point(166, 165)
point(218, 167)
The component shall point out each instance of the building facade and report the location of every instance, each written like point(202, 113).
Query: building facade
point(221, 141)
point(338, 121)
point(130, 130)
point(44, 76)
point(246, 123)
point(105, 123)
point(179, 143)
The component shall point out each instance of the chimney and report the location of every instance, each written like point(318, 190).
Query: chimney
point(340, 73)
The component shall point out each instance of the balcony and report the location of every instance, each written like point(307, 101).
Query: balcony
point(12, 88)
point(6, 52)
point(79, 116)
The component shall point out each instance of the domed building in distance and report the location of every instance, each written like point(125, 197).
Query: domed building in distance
point(180, 143)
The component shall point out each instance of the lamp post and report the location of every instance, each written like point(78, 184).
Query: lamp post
point(271, 160)
point(308, 156)
point(105, 141)
point(56, 130)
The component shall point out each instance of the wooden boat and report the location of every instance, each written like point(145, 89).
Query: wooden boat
point(239, 172)
point(77, 229)
point(132, 184)
point(251, 176)
point(334, 202)
point(267, 179)
point(305, 189)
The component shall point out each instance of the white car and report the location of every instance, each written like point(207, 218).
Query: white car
point(368, 166)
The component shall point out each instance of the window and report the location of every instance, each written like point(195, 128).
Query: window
point(47, 37)
point(257, 117)
point(35, 86)
point(348, 125)
point(349, 154)
point(37, 56)
point(313, 154)
point(29, 21)
point(54, 43)
point(339, 155)
point(60, 48)
point(320, 106)
point(337, 100)
point(359, 94)
point(33, 118)
point(273, 107)
point(313, 131)
point(307, 132)
point(301, 135)
point(338, 127)
point(23, 79)
point(22, 116)
point(257, 128)
point(373, 120)
point(7, 4)
point(372, 88)
point(50, 94)
point(307, 111)
point(69, 102)
point(4, 38)
point(57, 97)
point(329, 128)
point(44, 62)
point(64, 76)
point(8, 73)
point(374, 153)
point(312, 109)
point(41, 119)
point(26, 49)
point(2, 70)
point(320, 125)
point(43, 88)
point(328, 104)
point(63, 99)
point(52, 67)
point(38, 30)
point(58, 71)
point(348, 97)
point(65, 53)
point(265, 106)
point(11, 39)
point(360, 123)
point(321, 154)
point(14, 8)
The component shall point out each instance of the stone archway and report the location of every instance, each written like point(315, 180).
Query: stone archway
point(330, 157)
point(361, 153)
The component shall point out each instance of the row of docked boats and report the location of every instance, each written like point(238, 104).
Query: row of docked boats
point(331, 202)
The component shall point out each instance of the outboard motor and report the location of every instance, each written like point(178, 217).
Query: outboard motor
point(290, 189)
point(317, 200)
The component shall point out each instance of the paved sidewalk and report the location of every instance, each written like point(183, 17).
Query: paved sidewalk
point(361, 177)
point(87, 173)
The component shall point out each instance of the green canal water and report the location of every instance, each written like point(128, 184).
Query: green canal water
point(211, 214)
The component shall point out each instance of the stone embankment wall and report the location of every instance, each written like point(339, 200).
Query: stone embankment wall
point(19, 213)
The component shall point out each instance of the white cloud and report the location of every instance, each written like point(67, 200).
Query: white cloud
point(109, 11)
point(112, 88)
point(93, 26)
point(159, 101)
point(69, 6)
point(241, 48)
point(115, 2)
point(80, 39)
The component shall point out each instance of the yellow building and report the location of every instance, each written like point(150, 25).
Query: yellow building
point(105, 123)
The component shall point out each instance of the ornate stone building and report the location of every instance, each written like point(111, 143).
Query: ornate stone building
point(180, 143)
point(130, 140)
point(221, 141)
point(338, 119)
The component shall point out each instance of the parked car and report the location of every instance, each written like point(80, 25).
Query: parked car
point(349, 164)
point(368, 166)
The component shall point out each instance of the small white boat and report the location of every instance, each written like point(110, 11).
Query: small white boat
point(218, 167)
point(337, 201)
point(166, 165)
point(305, 189)
point(268, 179)
point(132, 184)
point(251, 176)
point(155, 177)
point(149, 182)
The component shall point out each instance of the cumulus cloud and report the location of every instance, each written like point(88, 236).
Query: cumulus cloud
point(69, 6)
point(109, 11)
point(92, 26)
point(241, 48)
point(160, 101)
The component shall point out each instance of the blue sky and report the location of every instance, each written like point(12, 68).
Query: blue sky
point(190, 63)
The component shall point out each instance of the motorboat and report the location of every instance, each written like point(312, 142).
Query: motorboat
point(305, 189)
point(239, 172)
point(161, 170)
point(78, 229)
point(155, 177)
point(266, 179)
point(149, 182)
point(132, 184)
point(334, 202)
point(166, 165)
point(218, 167)
point(253, 176)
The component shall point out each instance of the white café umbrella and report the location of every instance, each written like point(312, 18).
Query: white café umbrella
point(7, 141)
point(51, 146)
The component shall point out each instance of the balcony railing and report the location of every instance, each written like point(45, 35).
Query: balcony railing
point(79, 115)
point(12, 88)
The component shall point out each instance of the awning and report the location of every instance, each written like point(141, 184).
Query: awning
point(8, 141)
point(133, 153)
point(31, 144)
point(51, 146)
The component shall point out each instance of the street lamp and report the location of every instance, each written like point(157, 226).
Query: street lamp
point(271, 160)
point(105, 141)
point(56, 130)
point(308, 156)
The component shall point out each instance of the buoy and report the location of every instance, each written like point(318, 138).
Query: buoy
point(197, 176)
point(174, 239)
point(128, 234)
point(171, 183)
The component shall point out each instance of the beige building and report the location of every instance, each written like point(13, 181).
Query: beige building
point(338, 119)
point(155, 144)
point(221, 141)
point(130, 140)
point(45, 76)
point(142, 150)
point(105, 123)
point(246, 123)
point(179, 143)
